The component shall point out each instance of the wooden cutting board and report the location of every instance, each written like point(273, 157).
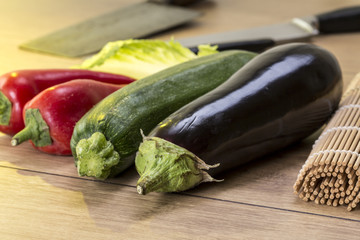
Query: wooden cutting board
point(43, 192)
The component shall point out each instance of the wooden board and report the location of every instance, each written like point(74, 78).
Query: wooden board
point(255, 200)
point(42, 197)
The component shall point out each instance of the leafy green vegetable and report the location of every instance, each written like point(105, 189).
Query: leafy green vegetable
point(139, 58)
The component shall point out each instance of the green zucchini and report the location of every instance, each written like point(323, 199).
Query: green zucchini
point(105, 140)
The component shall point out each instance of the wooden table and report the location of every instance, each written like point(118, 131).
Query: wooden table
point(42, 197)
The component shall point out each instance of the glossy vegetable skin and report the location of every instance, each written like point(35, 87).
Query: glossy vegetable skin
point(105, 140)
point(50, 117)
point(277, 99)
point(18, 87)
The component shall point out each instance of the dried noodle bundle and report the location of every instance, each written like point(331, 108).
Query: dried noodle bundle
point(331, 173)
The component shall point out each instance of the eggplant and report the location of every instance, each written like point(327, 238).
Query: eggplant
point(278, 98)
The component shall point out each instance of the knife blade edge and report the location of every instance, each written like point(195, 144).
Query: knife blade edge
point(297, 29)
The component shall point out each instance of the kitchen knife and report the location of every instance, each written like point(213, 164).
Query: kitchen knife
point(298, 29)
point(135, 21)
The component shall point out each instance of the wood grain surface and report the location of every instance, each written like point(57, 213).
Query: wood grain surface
point(42, 196)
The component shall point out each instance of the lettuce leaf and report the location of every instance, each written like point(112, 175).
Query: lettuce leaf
point(139, 58)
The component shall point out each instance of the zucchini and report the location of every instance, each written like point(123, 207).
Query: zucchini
point(277, 99)
point(106, 139)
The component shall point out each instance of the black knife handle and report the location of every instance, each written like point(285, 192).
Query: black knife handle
point(341, 20)
point(174, 2)
point(252, 45)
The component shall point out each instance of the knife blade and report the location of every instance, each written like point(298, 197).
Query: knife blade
point(137, 20)
point(297, 29)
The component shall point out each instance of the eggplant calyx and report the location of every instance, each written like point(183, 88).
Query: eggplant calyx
point(5, 109)
point(96, 156)
point(36, 130)
point(166, 167)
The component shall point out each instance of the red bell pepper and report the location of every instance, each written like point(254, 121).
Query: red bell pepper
point(18, 87)
point(50, 116)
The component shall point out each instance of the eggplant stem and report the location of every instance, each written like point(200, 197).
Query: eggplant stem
point(166, 167)
point(140, 190)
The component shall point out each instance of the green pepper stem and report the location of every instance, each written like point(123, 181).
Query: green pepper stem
point(166, 167)
point(96, 156)
point(35, 130)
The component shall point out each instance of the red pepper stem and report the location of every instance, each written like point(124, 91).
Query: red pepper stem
point(35, 130)
point(22, 136)
point(5, 109)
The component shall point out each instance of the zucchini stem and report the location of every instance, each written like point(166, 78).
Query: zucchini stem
point(96, 156)
point(35, 130)
point(166, 167)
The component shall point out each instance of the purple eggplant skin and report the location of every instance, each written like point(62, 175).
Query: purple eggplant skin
point(278, 98)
